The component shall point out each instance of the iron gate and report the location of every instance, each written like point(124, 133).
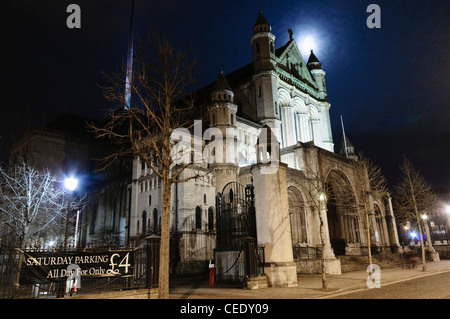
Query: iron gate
point(235, 216)
point(236, 255)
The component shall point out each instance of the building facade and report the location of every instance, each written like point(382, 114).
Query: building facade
point(279, 91)
point(277, 95)
point(68, 149)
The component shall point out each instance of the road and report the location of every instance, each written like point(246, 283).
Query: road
point(435, 286)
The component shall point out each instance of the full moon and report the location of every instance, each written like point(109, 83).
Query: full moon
point(307, 44)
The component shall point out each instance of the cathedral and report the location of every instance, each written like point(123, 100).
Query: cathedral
point(279, 92)
point(274, 180)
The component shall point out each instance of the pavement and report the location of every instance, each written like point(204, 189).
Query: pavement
point(309, 286)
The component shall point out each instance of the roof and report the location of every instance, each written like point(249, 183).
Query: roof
point(221, 83)
point(313, 62)
point(261, 20)
point(313, 58)
point(350, 147)
point(280, 50)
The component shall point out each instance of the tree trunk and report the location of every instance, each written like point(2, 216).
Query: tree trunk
point(22, 243)
point(164, 254)
point(424, 265)
point(368, 238)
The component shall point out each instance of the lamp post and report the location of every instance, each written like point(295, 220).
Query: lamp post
point(71, 184)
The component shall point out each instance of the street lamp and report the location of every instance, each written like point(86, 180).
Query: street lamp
point(322, 197)
point(71, 184)
point(447, 209)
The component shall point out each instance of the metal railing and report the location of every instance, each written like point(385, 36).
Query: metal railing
point(254, 258)
point(306, 252)
point(233, 266)
point(145, 272)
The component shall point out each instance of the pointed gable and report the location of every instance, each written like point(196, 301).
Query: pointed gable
point(290, 60)
point(261, 24)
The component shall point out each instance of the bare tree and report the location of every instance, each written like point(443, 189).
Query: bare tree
point(370, 183)
point(33, 202)
point(317, 195)
point(413, 198)
point(33, 206)
point(143, 128)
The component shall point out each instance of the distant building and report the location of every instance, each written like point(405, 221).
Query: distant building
point(67, 148)
point(439, 220)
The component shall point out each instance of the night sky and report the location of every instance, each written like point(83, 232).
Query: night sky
point(391, 85)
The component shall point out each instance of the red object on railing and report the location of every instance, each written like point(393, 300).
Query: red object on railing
point(211, 273)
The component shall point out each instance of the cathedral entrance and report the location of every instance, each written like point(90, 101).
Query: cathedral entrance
point(342, 214)
point(337, 240)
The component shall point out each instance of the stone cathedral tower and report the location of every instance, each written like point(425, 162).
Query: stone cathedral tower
point(222, 116)
point(264, 75)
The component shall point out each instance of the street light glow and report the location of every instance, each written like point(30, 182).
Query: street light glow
point(70, 183)
point(322, 197)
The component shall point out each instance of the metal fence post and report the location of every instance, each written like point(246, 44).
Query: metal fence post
point(250, 256)
point(153, 245)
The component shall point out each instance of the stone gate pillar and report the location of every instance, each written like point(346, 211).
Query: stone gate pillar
point(273, 225)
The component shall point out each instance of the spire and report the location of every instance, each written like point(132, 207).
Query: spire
point(346, 148)
point(313, 62)
point(261, 24)
point(129, 71)
point(221, 90)
point(221, 83)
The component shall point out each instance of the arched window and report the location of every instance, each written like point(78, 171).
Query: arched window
point(155, 219)
point(297, 214)
point(144, 222)
point(142, 168)
point(379, 234)
point(210, 219)
point(198, 217)
point(94, 218)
